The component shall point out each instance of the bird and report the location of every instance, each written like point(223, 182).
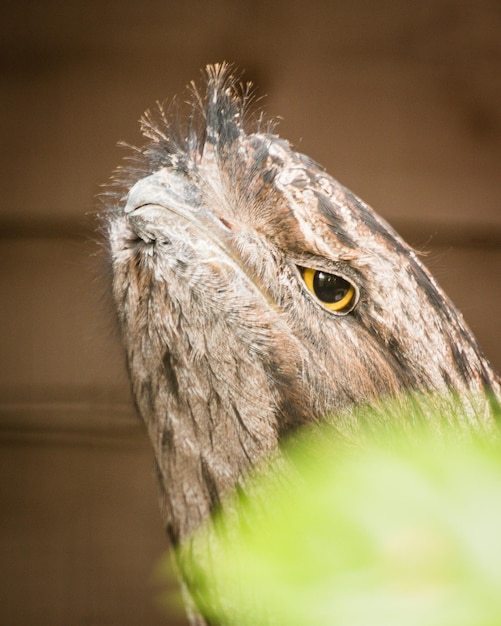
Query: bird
point(256, 295)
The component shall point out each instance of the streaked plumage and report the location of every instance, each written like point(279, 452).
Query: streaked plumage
point(227, 348)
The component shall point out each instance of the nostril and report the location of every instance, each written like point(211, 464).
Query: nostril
point(225, 222)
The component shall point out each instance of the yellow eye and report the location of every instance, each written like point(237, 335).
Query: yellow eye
point(334, 292)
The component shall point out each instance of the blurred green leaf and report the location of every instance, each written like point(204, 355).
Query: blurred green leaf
point(377, 518)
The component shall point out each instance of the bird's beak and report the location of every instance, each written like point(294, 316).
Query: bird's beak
point(163, 188)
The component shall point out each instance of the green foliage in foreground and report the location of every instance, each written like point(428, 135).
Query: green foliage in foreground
point(404, 528)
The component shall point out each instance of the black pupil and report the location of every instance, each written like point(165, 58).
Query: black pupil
point(330, 288)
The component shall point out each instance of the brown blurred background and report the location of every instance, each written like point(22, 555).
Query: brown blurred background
point(401, 102)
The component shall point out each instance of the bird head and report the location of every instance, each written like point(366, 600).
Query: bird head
point(256, 293)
